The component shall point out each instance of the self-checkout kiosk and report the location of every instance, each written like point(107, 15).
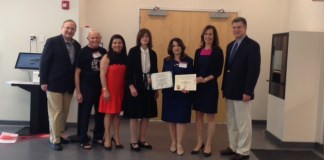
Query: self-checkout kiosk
point(30, 62)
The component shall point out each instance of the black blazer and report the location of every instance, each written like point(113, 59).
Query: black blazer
point(134, 73)
point(56, 69)
point(215, 64)
point(240, 77)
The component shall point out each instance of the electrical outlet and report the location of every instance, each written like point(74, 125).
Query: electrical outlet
point(32, 37)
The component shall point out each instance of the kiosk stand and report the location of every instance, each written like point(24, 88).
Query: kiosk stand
point(30, 62)
point(38, 109)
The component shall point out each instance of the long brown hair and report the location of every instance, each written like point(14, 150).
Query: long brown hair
point(215, 40)
point(141, 34)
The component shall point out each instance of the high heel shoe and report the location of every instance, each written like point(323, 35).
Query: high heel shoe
point(207, 154)
point(180, 150)
point(173, 148)
point(118, 146)
point(200, 149)
point(108, 148)
point(135, 147)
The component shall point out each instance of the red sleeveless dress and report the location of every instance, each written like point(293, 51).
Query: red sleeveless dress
point(116, 85)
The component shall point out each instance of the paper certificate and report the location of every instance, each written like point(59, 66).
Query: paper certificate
point(161, 80)
point(185, 82)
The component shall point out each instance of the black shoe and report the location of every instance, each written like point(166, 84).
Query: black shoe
point(108, 148)
point(144, 145)
point(135, 147)
point(207, 154)
point(64, 141)
point(240, 157)
point(227, 152)
point(98, 141)
point(86, 146)
point(56, 147)
point(118, 146)
point(200, 149)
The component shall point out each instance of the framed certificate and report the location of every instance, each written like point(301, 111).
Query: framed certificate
point(185, 82)
point(161, 80)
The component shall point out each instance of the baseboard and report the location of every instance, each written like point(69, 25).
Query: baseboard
point(26, 123)
point(319, 147)
point(74, 124)
point(310, 145)
point(259, 122)
point(18, 123)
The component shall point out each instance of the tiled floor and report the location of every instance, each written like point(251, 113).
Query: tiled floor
point(35, 148)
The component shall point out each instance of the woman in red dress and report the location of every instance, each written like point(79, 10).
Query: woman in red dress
point(112, 76)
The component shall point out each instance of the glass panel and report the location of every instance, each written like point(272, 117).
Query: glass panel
point(278, 67)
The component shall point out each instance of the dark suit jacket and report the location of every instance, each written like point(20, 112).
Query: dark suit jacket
point(240, 77)
point(134, 73)
point(56, 69)
point(215, 64)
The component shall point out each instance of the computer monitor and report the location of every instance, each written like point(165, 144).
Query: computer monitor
point(28, 61)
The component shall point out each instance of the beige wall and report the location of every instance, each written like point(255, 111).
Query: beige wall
point(306, 15)
point(264, 18)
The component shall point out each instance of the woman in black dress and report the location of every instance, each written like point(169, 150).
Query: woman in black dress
point(176, 105)
point(140, 99)
point(208, 66)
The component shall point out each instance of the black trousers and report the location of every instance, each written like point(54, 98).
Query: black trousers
point(91, 96)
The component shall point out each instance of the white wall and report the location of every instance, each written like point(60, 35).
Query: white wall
point(264, 18)
point(306, 15)
point(20, 19)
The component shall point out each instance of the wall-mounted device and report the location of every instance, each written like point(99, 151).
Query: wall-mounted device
point(65, 5)
point(156, 11)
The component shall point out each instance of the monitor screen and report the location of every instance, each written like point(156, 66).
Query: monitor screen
point(28, 61)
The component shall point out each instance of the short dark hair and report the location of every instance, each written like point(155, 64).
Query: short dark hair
point(117, 36)
point(215, 40)
point(240, 19)
point(181, 44)
point(69, 20)
point(141, 34)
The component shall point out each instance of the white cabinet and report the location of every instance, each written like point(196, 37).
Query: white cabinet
point(295, 113)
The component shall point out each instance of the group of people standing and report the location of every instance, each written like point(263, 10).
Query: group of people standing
point(113, 81)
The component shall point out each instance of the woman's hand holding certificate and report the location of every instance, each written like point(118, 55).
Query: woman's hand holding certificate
point(185, 82)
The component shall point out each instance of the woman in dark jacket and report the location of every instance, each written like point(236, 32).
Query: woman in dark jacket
point(208, 65)
point(176, 105)
point(140, 99)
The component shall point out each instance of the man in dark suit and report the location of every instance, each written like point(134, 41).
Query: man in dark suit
point(241, 72)
point(57, 79)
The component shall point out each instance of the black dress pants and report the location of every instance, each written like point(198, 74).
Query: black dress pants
point(91, 96)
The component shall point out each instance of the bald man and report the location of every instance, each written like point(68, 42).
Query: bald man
point(88, 89)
